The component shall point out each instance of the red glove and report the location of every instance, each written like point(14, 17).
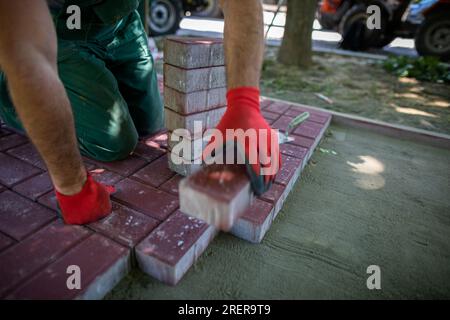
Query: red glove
point(91, 204)
point(243, 113)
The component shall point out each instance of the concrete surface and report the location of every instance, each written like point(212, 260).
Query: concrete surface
point(378, 201)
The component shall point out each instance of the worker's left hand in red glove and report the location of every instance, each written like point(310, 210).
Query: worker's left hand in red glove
point(91, 204)
point(243, 112)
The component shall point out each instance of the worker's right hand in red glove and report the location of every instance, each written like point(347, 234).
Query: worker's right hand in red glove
point(243, 112)
point(91, 204)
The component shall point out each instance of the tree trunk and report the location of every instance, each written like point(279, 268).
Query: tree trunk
point(296, 48)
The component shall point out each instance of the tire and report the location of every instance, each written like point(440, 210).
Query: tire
point(212, 10)
point(370, 38)
point(433, 36)
point(164, 17)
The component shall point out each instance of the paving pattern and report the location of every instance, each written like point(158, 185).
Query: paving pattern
point(37, 249)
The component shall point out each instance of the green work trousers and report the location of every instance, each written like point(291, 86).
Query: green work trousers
point(112, 86)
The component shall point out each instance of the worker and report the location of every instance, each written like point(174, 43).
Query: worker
point(93, 90)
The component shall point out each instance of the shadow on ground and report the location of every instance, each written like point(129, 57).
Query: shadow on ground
point(364, 199)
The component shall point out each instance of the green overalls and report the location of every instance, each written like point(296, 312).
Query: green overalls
point(109, 76)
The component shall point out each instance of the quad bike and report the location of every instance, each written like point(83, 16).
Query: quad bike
point(433, 35)
point(428, 21)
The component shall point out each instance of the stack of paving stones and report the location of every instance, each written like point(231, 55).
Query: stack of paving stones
point(146, 228)
point(194, 90)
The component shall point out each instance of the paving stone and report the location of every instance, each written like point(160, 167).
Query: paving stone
point(282, 123)
point(182, 166)
point(4, 131)
point(193, 102)
point(5, 242)
point(169, 251)
point(191, 80)
point(25, 258)
point(309, 129)
point(12, 140)
point(49, 200)
point(302, 141)
point(154, 203)
point(277, 107)
point(192, 147)
point(314, 116)
point(254, 223)
point(125, 225)
point(155, 173)
point(149, 150)
point(104, 176)
point(13, 171)
point(35, 187)
point(204, 120)
point(171, 186)
point(19, 216)
point(102, 262)
point(264, 102)
point(123, 167)
point(270, 115)
point(217, 194)
point(293, 150)
point(191, 53)
point(29, 154)
point(274, 193)
point(287, 170)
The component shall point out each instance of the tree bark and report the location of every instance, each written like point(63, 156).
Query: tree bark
point(296, 47)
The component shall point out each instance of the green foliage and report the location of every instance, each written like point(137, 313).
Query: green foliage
point(422, 68)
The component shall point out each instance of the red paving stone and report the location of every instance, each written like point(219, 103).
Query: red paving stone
point(123, 167)
point(309, 129)
point(19, 216)
point(36, 247)
point(270, 115)
point(13, 171)
point(169, 251)
point(155, 203)
point(293, 150)
point(277, 107)
point(102, 263)
point(156, 173)
point(282, 123)
point(149, 150)
point(35, 187)
point(302, 141)
point(5, 242)
point(274, 193)
point(104, 176)
point(29, 154)
point(172, 185)
point(125, 225)
point(10, 141)
point(314, 116)
point(4, 132)
point(287, 170)
point(23, 259)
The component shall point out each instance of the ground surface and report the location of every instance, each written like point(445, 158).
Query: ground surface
point(360, 86)
point(377, 201)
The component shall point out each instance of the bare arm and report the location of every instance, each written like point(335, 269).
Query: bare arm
point(28, 56)
point(243, 41)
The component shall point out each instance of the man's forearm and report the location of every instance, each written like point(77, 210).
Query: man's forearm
point(28, 58)
point(243, 41)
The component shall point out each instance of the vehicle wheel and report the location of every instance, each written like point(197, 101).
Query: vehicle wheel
point(376, 38)
point(433, 36)
point(164, 17)
point(211, 10)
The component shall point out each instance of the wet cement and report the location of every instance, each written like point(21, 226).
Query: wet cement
point(378, 201)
